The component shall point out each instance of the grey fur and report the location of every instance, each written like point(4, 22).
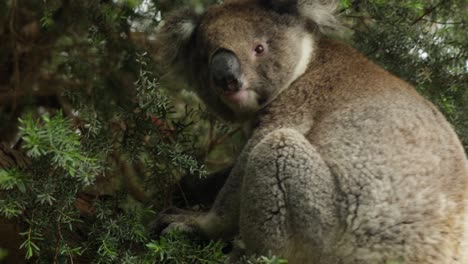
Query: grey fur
point(346, 163)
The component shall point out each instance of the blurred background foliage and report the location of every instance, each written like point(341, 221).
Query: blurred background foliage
point(93, 144)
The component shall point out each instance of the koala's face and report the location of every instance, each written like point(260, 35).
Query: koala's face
point(251, 54)
point(240, 55)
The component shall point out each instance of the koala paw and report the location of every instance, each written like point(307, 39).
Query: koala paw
point(178, 226)
point(175, 219)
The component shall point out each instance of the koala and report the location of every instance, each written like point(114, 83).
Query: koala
point(345, 162)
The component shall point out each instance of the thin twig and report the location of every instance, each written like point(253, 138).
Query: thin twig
point(57, 242)
point(428, 11)
point(183, 194)
point(16, 73)
point(360, 17)
point(12, 21)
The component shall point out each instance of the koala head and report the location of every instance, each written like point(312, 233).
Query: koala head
point(238, 56)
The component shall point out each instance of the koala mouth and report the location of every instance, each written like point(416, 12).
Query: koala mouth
point(236, 97)
point(238, 93)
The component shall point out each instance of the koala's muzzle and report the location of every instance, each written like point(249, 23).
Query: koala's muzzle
point(225, 70)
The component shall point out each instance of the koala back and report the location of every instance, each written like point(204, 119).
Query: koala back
point(400, 167)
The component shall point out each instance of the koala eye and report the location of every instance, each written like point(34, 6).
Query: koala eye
point(259, 49)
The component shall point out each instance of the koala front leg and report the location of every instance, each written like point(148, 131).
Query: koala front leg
point(222, 221)
point(289, 201)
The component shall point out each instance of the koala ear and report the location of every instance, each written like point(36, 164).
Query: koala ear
point(174, 36)
point(321, 12)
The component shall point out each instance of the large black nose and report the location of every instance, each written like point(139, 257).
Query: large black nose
point(225, 70)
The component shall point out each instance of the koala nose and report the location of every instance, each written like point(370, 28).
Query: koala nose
point(225, 70)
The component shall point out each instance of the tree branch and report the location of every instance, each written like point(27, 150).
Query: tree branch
point(427, 12)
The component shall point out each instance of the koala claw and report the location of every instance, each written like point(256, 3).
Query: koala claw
point(173, 219)
point(178, 226)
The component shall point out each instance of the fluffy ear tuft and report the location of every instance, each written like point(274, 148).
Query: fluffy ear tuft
point(321, 12)
point(173, 38)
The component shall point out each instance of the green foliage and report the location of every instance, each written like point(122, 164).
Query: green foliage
point(265, 260)
point(111, 142)
point(110, 156)
point(10, 179)
point(56, 140)
point(177, 248)
point(3, 253)
point(29, 244)
point(10, 208)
